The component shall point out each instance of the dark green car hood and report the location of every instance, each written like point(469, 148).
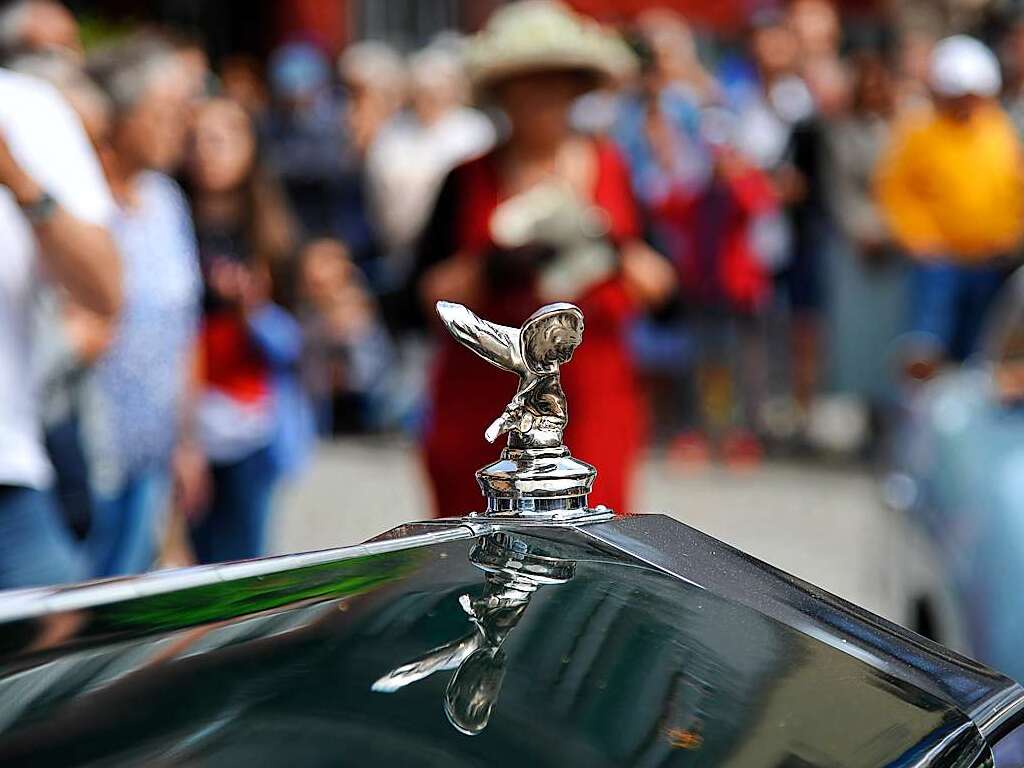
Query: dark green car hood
point(635, 642)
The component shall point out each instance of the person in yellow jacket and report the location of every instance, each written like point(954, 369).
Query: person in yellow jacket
point(951, 189)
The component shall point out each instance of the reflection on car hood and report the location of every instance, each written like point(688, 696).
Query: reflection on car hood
point(635, 642)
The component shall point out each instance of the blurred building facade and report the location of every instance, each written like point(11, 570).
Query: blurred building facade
point(257, 27)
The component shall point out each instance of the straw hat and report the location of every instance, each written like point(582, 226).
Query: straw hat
point(541, 35)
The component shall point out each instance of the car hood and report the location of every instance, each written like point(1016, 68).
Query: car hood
point(635, 642)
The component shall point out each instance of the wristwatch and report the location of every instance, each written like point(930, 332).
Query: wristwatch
point(40, 210)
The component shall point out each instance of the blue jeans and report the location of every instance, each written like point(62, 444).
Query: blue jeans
point(950, 303)
point(235, 524)
point(36, 548)
point(126, 526)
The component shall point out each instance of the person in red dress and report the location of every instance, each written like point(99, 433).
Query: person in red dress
point(534, 77)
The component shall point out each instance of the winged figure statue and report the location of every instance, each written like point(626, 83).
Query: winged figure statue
point(537, 415)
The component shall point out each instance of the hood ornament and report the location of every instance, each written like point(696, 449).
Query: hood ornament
point(536, 475)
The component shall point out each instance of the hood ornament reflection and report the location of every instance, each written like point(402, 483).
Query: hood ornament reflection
point(513, 574)
point(536, 475)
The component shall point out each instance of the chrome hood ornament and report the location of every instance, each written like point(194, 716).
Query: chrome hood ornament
point(536, 475)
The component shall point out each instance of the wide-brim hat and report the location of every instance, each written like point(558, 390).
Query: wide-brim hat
point(541, 35)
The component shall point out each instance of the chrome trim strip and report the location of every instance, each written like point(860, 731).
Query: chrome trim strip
point(1002, 715)
point(34, 602)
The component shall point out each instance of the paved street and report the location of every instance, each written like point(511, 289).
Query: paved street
point(824, 525)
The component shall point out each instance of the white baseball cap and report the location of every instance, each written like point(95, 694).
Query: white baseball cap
point(961, 66)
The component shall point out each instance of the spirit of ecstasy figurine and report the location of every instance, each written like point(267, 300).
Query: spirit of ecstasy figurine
point(537, 415)
point(536, 474)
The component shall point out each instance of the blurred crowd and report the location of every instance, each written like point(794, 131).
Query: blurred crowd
point(209, 266)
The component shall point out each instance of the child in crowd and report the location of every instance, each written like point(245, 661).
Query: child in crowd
point(734, 230)
point(709, 211)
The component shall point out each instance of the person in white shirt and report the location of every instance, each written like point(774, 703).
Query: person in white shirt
point(415, 151)
point(54, 207)
point(142, 401)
